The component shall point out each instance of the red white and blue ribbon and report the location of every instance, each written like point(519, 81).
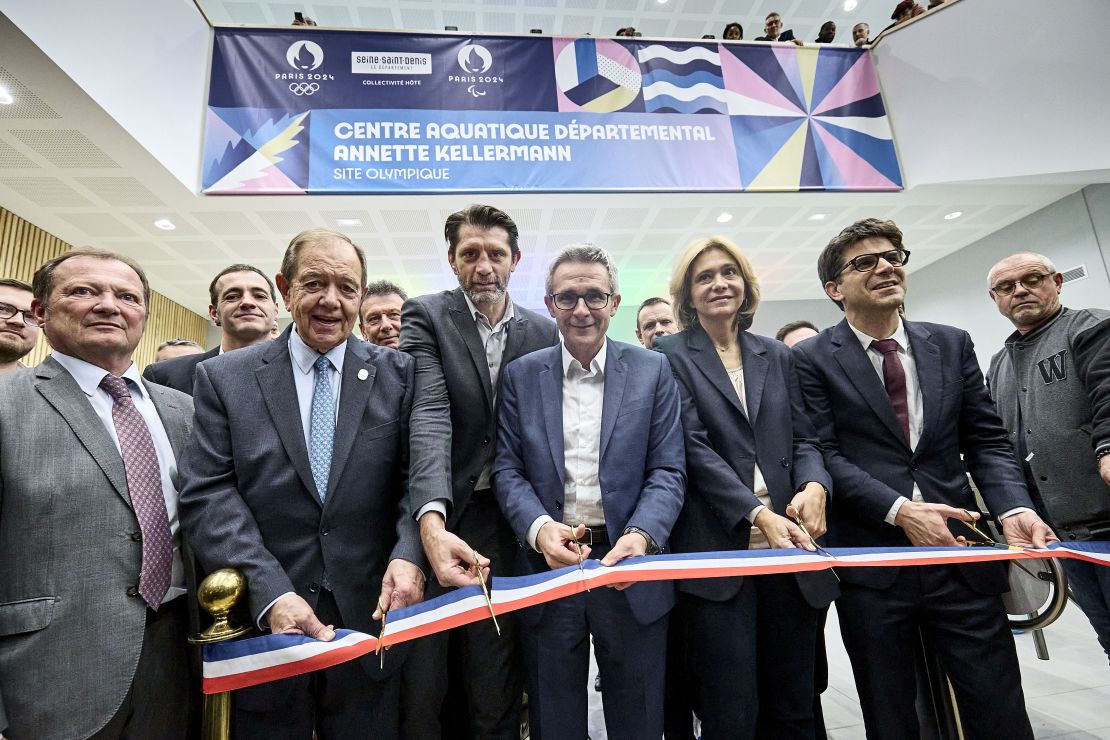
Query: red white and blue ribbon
point(256, 660)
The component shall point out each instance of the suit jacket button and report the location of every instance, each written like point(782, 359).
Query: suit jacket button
point(132, 590)
point(559, 505)
point(313, 587)
point(325, 532)
point(472, 480)
point(785, 463)
point(485, 440)
point(913, 468)
point(136, 536)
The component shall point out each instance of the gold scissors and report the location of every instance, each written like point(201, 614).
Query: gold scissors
point(381, 635)
point(578, 547)
point(485, 592)
point(821, 550)
point(985, 540)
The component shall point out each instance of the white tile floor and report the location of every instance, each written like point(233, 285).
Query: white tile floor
point(1068, 696)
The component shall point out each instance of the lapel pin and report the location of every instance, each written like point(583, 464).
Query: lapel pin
point(363, 374)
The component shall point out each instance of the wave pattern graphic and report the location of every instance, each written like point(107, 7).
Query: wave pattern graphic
point(676, 56)
point(688, 79)
point(668, 104)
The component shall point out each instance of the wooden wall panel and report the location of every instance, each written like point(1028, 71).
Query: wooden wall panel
point(24, 246)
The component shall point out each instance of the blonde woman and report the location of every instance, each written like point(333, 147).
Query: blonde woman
point(753, 465)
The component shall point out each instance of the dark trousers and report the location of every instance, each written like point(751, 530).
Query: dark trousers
point(1090, 585)
point(468, 682)
point(338, 703)
point(754, 654)
point(630, 656)
point(681, 694)
point(967, 631)
point(162, 694)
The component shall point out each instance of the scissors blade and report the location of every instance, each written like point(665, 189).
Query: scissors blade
point(485, 593)
point(820, 550)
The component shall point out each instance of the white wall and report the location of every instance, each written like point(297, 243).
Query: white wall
point(774, 314)
point(954, 290)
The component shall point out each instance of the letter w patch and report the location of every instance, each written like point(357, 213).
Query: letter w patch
point(1053, 368)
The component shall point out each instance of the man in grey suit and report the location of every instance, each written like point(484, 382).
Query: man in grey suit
point(92, 612)
point(296, 475)
point(461, 339)
point(244, 306)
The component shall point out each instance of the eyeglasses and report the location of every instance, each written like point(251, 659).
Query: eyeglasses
point(868, 262)
point(1030, 282)
point(7, 311)
point(569, 301)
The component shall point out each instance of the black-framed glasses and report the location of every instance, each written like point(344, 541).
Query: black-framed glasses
point(1030, 282)
point(7, 311)
point(567, 301)
point(868, 262)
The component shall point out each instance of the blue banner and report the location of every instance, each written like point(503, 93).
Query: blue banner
point(310, 111)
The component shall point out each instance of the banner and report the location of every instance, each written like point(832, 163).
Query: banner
point(302, 110)
point(255, 660)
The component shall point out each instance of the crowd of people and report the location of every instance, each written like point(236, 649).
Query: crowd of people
point(465, 435)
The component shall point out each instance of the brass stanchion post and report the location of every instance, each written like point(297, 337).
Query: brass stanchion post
point(218, 594)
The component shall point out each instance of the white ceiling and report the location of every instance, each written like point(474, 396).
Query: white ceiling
point(670, 19)
point(67, 166)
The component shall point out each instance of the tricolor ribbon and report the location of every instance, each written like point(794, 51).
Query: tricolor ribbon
point(256, 660)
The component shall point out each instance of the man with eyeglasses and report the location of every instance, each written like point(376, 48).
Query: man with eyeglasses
point(591, 463)
point(19, 329)
point(1051, 383)
point(904, 416)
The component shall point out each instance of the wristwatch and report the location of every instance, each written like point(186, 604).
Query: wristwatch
point(652, 548)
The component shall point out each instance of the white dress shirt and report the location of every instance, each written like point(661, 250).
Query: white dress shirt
point(88, 377)
point(583, 400)
point(493, 339)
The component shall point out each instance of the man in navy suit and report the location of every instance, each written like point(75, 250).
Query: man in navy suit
point(896, 403)
point(244, 305)
point(590, 449)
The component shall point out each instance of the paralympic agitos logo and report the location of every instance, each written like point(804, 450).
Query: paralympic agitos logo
point(475, 60)
point(305, 57)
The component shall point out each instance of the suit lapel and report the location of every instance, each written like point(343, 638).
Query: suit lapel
point(861, 373)
point(517, 332)
point(551, 395)
point(353, 394)
point(754, 357)
point(615, 382)
point(710, 365)
point(61, 391)
point(468, 332)
point(930, 376)
point(171, 413)
point(275, 381)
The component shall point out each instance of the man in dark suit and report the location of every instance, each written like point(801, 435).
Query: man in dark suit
point(461, 339)
point(296, 475)
point(590, 439)
point(243, 304)
point(92, 607)
point(896, 403)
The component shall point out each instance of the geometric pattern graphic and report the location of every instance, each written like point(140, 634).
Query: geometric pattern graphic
point(595, 75)
point(806, 118)
point(256, 151)
point(686, 80)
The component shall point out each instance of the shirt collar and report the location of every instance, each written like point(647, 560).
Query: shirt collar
point(478, 316)
point(88, 375)
point(899, 336)
point(597, 364)
point(304, 357)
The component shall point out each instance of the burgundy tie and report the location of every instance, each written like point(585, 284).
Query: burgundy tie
point(144, 484)
point(894, 378)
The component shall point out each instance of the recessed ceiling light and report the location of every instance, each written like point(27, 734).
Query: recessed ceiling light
point(850, 5)
point(724, 218)
point(818, 216)
point(953, 215)
point(5, 96)
point(662, 2)
point(165, 224)
point(349, 221)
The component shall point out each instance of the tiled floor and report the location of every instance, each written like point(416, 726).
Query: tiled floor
point(1068, 696)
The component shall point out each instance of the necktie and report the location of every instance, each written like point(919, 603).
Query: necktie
point(321, 431)
point(894, 378)
point(144, 484)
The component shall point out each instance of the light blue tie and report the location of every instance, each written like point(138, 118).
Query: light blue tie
point(321, 433)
